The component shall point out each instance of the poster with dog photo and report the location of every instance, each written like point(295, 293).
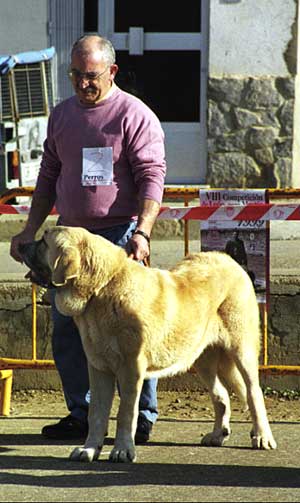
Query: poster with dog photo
point(244, 240)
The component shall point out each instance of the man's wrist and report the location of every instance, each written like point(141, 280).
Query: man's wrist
point(142, 233)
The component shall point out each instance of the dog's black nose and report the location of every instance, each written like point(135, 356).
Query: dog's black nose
point(22, 247)
point(28, 252)
point(28, 249)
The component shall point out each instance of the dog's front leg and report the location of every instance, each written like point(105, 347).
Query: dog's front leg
point(130, 383)
point(102, 385)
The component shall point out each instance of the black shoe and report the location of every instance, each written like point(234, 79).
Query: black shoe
point(67, 428)
point(143, 430)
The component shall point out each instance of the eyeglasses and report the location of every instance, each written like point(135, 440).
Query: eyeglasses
point(77, 75)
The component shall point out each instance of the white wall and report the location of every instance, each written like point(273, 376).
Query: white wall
point(249, 37)
point(23, 25)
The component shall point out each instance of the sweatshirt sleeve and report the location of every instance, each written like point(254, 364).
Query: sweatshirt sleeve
point(50, 165)
point(146, 153)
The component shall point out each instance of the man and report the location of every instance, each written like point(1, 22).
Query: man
point(236, 249)
point(103, 168)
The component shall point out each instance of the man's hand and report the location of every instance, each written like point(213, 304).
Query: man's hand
point(23, 237)
point(137, 248)
point(41, 207)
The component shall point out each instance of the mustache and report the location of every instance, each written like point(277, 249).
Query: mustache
point(89, 89)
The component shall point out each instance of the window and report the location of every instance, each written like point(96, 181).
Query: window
point(90, 16)
point(165, 80)
point(158, 16)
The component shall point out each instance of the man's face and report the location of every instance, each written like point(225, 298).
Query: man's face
point(91, 77)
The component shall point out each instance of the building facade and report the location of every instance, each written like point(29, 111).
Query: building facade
point(222, 75)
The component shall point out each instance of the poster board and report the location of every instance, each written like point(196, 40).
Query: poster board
point(247, 241)
point(32, 133)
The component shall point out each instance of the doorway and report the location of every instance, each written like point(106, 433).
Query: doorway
point(162, 57)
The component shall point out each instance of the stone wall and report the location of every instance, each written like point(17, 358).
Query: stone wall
point(15, 336)
point(250, 132)
point(284, 328)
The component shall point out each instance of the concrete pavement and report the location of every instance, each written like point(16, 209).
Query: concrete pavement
point(171, 467)
point(284, 253)
point(167, 245)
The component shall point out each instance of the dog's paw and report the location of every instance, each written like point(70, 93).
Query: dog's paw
point(122, 455)
point(216, 438)
point(264, 441)
point(85, 454)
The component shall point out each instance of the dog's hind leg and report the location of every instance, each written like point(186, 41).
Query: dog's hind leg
point(102, 386)
point(221, 403)
point(220, 399)
point(261, 434)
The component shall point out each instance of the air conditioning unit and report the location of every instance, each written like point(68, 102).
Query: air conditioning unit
point(27, 95)
point(26, 91)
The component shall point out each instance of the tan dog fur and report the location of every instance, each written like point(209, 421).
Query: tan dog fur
point(137, 322)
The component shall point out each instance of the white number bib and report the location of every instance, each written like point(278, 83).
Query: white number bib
point(97, 166)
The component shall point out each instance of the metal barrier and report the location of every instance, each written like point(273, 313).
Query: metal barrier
point(182, 194)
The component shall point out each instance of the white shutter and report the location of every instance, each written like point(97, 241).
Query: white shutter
point(65, 20)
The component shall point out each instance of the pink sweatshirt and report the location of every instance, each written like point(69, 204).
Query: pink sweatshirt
point(122, 122)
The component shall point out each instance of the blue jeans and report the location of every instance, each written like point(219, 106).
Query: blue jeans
point(70, 358)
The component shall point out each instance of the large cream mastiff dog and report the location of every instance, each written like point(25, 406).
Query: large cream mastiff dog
point(137, 322)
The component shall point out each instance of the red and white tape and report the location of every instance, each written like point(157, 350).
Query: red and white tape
point(17, 209)
point(234, 212)
point(264, 212)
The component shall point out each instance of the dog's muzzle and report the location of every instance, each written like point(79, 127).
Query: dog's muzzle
point(39, 274)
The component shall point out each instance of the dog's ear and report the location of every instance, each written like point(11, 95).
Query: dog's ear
point(66, 266)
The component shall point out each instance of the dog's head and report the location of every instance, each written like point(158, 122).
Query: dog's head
point(73, 261)
point(51, 262)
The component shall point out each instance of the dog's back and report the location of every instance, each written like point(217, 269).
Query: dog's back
point(225, 284)
point(206, 299)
